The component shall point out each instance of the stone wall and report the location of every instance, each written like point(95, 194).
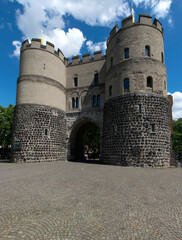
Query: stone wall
point(40, 134)
point(136, 131)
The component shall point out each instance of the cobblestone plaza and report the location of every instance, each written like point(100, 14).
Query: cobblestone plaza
point(69, 200)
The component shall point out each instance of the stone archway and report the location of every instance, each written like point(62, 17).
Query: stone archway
point(76, 139)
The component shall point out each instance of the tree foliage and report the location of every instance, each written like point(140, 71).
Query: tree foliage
point(92, 138)
point(6, 122)
point(177, 135)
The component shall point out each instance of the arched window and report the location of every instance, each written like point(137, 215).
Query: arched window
point(77, 102)
point(149, 82)
point(98, 100)
point(126, 53)
point(96, 78)
point(75, 80)
point(94, 101)
point(147, 51)
point(73, 103)
point(111, 61)
point(126, 84)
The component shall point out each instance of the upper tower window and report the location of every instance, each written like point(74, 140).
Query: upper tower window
point(162, 56)
point(96, 78)
point(111, 61)
point(73, 103)
point(149, 82)
point(126, 53)
point(147, 51)
point(77, 102)
point(110, 90)
point(126, 83)
point(96, 101)
point(75, 80)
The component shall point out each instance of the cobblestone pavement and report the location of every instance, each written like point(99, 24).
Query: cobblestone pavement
point(66, 200)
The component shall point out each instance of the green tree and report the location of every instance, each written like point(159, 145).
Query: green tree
point(6, 122)
point(177, 135)
point(92, 138)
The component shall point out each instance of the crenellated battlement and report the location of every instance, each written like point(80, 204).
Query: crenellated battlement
point(86, 58)
point(144, 19)
point(36, 43)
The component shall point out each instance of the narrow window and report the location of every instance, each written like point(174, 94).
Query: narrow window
point(75, 81)
point(111, 61)
point(140, 108)
point(165, 85)
point(94, 101)
point(149, 82)
point(77, 102)
point(162, 56)
point(152, 128)
point(96, 78)
point(147, 51)
point(110, 90)
point(98, 100)
point(126, 83)
point(73, 103)
point(46, 132)
point(126, 53)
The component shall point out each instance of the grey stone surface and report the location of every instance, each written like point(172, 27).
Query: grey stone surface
point(79, 201)
point(30, 124)
point(128, 137)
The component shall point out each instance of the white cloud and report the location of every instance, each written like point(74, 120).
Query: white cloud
point(69, 42)
point(170, 21)
point(50, 15)
point(16, 52)
point(92, 47)
point(159, 8)
point(177, 105)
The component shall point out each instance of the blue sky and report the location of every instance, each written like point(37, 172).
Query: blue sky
point(81, 26)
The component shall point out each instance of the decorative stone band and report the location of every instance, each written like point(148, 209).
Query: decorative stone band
point(39, 134)
point(38, 78)
point(136, 131)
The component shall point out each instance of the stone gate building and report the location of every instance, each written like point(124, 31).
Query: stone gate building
point(124, 93)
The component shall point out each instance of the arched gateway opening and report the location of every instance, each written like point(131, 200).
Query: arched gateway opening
point(79, 140)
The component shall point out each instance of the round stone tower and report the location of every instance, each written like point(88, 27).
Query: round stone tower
point(136, 130)
point(39, 130)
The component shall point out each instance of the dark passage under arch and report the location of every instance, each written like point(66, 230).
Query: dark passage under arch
point(77, 147)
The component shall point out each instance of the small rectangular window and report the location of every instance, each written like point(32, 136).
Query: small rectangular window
point(147, 51)
point(149, 82)
point(162, 57)
point(98, 100)
point(140, 108)
point(94, 101)
point(126, 83)
point(75, 81)
point(73, 103)
point(77, 102)
point(96, 78)
point(152, 128)
point(111, 61)
point(110, 90)
point(126, 53)
point(46, 132)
